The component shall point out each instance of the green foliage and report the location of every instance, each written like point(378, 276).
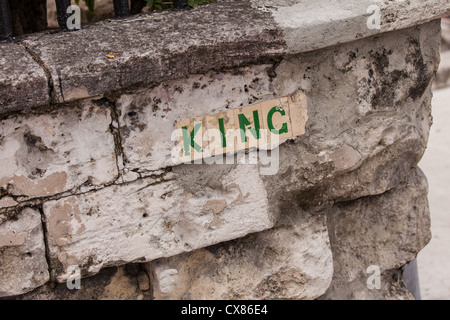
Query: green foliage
point(89, 3)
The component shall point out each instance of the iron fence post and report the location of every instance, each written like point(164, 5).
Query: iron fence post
point(6, 32)
point(121, 8)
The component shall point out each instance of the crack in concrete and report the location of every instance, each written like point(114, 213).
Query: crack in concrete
point(38, 60)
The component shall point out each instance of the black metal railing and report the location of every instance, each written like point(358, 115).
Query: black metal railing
point(121, 10)
point(62, 15)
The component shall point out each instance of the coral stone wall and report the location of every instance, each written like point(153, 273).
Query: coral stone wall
point(89, 184)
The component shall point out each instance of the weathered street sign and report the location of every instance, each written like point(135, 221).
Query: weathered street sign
point(261, 125)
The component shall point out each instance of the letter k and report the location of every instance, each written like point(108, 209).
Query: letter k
point(188, 139)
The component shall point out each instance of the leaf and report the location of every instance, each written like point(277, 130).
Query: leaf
point(112, 56)
point(90, 4)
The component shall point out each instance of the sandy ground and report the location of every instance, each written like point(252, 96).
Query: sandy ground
point(434, 260)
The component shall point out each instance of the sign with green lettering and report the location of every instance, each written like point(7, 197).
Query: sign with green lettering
point(261, 125)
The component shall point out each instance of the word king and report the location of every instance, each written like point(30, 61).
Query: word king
point(263, 125)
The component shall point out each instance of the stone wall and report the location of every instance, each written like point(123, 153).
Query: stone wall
point(103, 9)
point(89, 185)
point(443, 75)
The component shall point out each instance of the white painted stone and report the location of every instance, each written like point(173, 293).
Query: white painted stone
point(315, 24)
point(153, 218)
point(46, 154)
point(23, 265)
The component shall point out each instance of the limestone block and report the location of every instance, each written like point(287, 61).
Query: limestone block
point(147, 119)
point(362, 98)
point(385, 231)
point(23, 265)
point(155, 217)
point(261, 125)
point(46, 154)
point(290, 261)
point(23, 83)
point(104, 9)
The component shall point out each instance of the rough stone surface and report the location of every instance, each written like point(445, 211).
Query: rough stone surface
point(290, 261)
point(104, 9)
point(147, 48)
point(368, 117)
point(46, 154)
point(23, 265)
point(442, 79)
point(371, 91)
point(114, 283)
point(23, 83)
point(311, 24)
point(155, 217)
point(386, 231)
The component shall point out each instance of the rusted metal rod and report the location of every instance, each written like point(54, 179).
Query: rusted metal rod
point(6, 32)
point(121, 8)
